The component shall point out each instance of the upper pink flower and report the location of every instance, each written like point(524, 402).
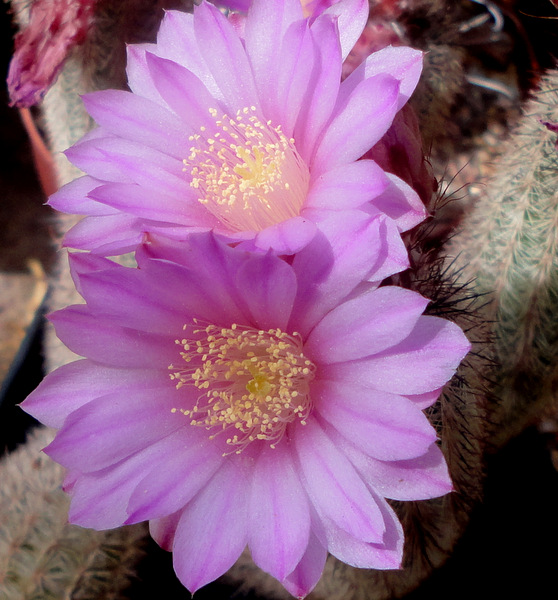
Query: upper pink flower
point(235, 399)
point(253, 137)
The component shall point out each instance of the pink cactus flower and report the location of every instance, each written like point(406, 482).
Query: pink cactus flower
point(236, 399)
point(256, 139)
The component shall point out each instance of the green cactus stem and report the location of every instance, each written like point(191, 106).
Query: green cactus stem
point(510, 247)
point(42, 557)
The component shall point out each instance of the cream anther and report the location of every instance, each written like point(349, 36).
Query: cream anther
point(248, 173)
point(252, 383)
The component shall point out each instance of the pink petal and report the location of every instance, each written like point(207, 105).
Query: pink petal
point(107, 343)
point(71, 386)
point(344, 253)
point(401, 203)
point(425, 400)
point(162, 530)
point(176, 40)
point(110, 428)
point(347, 186)
point(139, 77)
point(279, 525)
point(335, 489)
point(307, 573)
point(141, 202)
point(396, 256)
point(268, 286)
point(287, 237)
point(352, 17)
point(423, 362)
point(212, 531)
point(358, 124)
point(405, 64)
point(365, 325)
point(382, 425)
point(138, 119)
point(227, 60)
point(82, 263)
point(386, 554)
point(73, 198)
point(119, 160)
point(208, 282)
point(264, 31)
point(190, 462)
point(419, 478)
point(322, 87)
point(184, 93)
point(108, 235)
point(295, 65)
point(100, 499)
point(129, 299)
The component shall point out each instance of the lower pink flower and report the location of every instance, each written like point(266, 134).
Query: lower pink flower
point(239, 400)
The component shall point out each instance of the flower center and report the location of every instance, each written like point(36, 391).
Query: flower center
point(253, 382)
point(249, 174)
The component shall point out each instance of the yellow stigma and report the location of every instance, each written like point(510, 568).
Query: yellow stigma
point(253, 382)
point(248, 173)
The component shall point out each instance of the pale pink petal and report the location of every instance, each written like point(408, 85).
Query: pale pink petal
point(139, 76)
point(162, 530)
point(382, 425)
point(176, 40)
point(137, 200)
point(323, 86)
point(344, 253)
point(347, 501)
point(264, 32)
point(183, 92)
point(119, 160)
point(352, 17)
point(423, 362)
point(165, 487)
point(100, 499)
point(287, 237)
point(108, 429)
point(128, 299)
point(347, 186)
point(268, 288)
point(138, 119)
point(75, 384)
point(403, 63)
point(279, 525)
point(387, 554)
point(425, 400)
point(358, 124)
point(401, 203)
point(217, 521)
point(419, 478)
point(307, 573)
point(82, 263)
point(366, 325)
point(73, 198)
point(108, 235)
point(295, 66)
point(109, 344)
point(227, 60)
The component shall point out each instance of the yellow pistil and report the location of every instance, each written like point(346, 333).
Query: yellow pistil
point(248, 173)
point(253, 382)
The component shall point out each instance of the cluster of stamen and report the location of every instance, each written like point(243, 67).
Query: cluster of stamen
point(248, 173)
point(253, 383)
